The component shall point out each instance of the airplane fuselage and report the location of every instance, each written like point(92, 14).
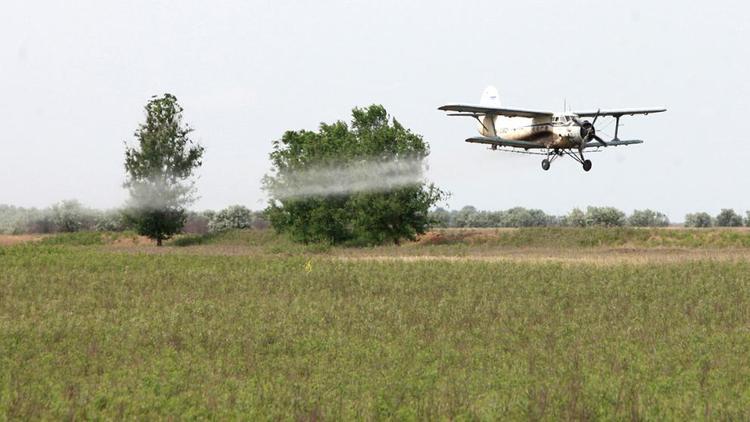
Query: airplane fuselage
point(557, 132)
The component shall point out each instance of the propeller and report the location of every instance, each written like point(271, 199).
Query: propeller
point(588, 132)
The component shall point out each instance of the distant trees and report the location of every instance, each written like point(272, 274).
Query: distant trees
point(698, 219)
point(159, 170)
point(365, 216)
point(71, 216)
point(233, 217)
point(64, 216)
point(469, 216)
point(576, 218)
point(647, 218)
point(728, 218)
point(604, 216)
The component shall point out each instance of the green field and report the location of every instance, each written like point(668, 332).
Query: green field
point(508, 324)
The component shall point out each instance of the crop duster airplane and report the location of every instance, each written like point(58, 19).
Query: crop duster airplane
point(557, 134)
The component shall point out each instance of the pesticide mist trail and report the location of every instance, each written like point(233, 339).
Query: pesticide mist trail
point(363, 176)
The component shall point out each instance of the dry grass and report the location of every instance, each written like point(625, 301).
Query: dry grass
point(9, 240)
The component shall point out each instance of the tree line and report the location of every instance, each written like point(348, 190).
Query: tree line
point(469, 216)
point(72, 216)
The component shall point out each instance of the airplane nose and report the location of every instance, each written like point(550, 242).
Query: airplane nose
point(587, 130)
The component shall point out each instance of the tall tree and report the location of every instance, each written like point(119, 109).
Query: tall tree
point(160, 169)
point(359, 183)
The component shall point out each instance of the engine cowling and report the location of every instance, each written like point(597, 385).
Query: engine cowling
point(587, 131)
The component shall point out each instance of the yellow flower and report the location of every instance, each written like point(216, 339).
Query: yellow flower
point(308, 266)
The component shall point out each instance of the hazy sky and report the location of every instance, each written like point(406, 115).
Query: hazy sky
point(75, 75)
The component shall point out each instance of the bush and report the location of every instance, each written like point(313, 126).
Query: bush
point(70, 216)
point(604, 216)
point(576, 218)
point(698, 219)
point(14, 220)
point(110, 221)
point(747, 218)
point(647, 218)
point(197, 222)
point(522, 217)
point(441, 217)
point(234, 217)
point(728, 218)
point(260, 221)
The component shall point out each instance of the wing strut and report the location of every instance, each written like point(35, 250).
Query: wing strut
point(617, 127)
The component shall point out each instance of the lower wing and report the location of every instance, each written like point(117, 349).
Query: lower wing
point(613, 143)
point(496, 140)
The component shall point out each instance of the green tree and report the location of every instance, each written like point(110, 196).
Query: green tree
point(71, 216)
point(441, 217)
point(313, 199)
point(604, 216)
point(648, 218)
point(728, 218)
point(159, 170)
point(231, 218)
point(576, 218)
point(698, 219)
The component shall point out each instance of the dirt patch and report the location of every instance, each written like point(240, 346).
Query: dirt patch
point(15, 239)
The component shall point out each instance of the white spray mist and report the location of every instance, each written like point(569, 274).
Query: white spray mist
point(372, 175)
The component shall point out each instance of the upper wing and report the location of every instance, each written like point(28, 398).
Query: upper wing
point(480, 110)
point(496, 140)
point(620, 113)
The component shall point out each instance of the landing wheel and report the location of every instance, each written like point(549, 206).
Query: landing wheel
point(587, 165)
point(545, 164)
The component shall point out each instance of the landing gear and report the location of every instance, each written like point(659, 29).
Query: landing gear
point(578, 157)
point(551, 155)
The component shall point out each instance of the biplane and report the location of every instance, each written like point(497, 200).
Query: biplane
point(546, 133)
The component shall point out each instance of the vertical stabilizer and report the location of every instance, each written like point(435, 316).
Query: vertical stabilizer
point(490, 98)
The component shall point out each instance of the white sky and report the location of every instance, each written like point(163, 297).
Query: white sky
point(75, 75)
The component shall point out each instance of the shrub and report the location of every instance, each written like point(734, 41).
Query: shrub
point(698, 219)
point(234, 217)
point(441, 217)
point(196, 223)
point(575, 218)
point(728, 218)
point(70, 216)
point(647, 218)
point(604, 216)
point(110, 221)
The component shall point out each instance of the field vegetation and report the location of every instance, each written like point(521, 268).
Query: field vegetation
point(249, 324)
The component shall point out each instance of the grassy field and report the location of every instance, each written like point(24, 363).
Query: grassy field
point(494, 324)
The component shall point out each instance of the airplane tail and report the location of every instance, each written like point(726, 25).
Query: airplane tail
point(490, 98)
